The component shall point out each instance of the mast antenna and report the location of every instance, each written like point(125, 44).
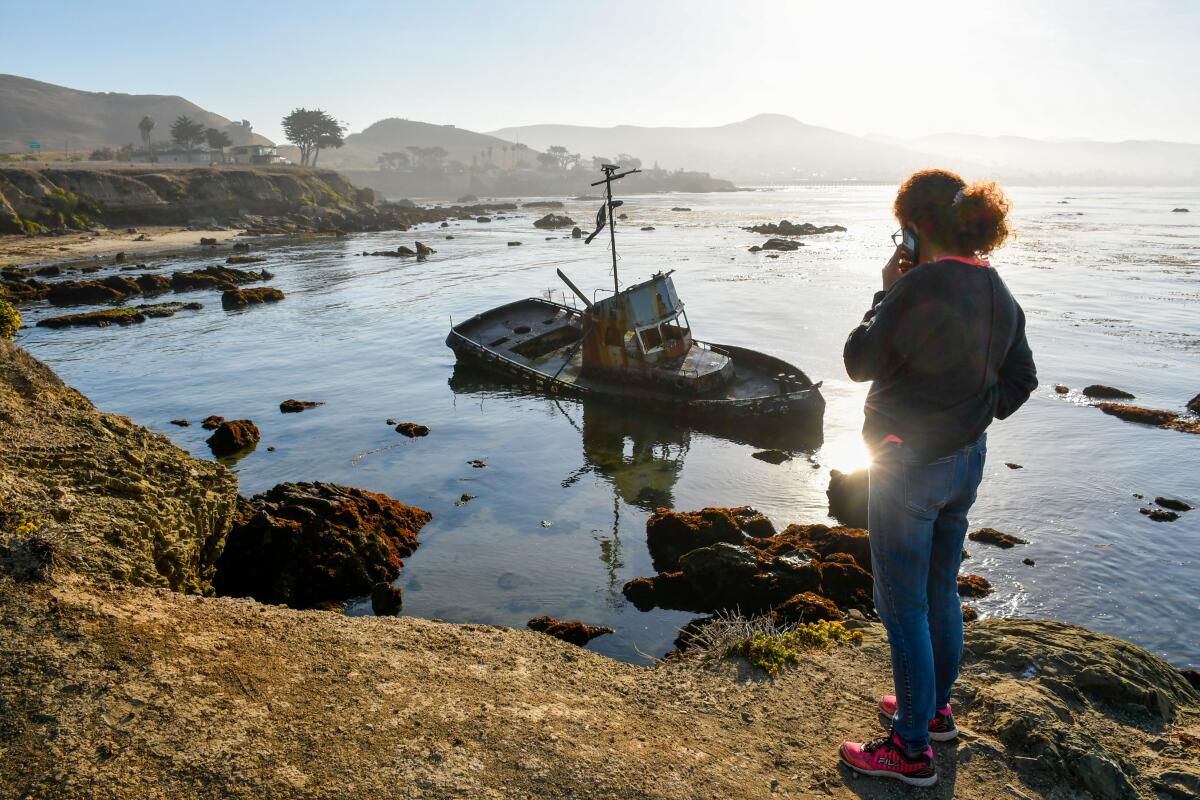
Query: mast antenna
point(609, 205)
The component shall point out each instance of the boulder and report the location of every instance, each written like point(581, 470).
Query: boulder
point(1193, 405)
point(150, 284)
point(995, 537)
point(680, 208)
point(1061, 389)
point(543, 204)
point(671, 534)
point(245, 259)
point(183, 423)
point(1098, 391)
point(296, 406)
point(1148, 416)
point(412, 429)
point(1159, 515)
point(781, 244)
point(386, 600)
point(241, 298)
point(215, 277)
point(973, 586)
point(1179, 210)
point(577, 233)
point(847, 495)
point(405, 251)
point(312, 545)
point(1173, 504)
point(211, 423)
point(554, 221)
point(514, 244)
point(569, 631)
point(424, 249)
point(772, 456)
point(233, 437)
point(806, 607)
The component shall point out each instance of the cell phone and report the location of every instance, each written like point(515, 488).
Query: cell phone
point(912, 245)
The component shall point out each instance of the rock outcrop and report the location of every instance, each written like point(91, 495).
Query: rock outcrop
point(261, 199)
point(312, 545)
point(233, 437)
point(241, 298)
point(554, 221)
point(1159, 418)
point(847, 495)
point(110, 500)
point(1098, 391)
point(570, 631)
point(785, 228)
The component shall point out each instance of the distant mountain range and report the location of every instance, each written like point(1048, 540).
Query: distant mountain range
point(768, 148)
point(57, 116)
point(774, 147)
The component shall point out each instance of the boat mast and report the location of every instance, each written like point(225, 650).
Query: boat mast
point(609, 177)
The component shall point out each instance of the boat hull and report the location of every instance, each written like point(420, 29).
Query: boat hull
point(756, 395)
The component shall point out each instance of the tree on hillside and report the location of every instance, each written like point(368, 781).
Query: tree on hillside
point(549, 161)
point(522, 149)
point(427, 157)
point(144, 127)
point(186, 132)
point(393, 161)
point(599, 161)
point(560, 155)
point(217, 140)
point(629, 162)
point(311, 130)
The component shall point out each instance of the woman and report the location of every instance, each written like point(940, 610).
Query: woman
point(944, 346)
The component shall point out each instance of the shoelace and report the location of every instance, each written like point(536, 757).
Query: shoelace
point(875, 744)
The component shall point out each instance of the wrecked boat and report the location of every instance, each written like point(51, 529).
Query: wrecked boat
point(635, 347)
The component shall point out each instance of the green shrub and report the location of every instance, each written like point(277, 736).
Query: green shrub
point(10, 320)
point(772, 651)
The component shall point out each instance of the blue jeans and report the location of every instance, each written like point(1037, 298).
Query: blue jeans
point(917, 515)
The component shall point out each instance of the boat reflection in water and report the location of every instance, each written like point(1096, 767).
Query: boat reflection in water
point(640, 455)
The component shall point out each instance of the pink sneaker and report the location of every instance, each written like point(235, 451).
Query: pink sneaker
point(941, 727)
point(885, 758)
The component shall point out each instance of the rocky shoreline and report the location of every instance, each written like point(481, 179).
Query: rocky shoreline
point(122, 676)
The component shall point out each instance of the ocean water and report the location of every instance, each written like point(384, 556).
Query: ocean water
point(1109, 279)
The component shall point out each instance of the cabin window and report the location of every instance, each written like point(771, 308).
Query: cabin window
point(651, 339)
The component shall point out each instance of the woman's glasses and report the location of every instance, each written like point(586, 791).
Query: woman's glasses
point(898, 237)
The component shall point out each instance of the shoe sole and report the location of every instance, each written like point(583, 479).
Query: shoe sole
point(936, 736)
point(884, 773)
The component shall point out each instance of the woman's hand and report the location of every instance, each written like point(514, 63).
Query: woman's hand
point(897, 265)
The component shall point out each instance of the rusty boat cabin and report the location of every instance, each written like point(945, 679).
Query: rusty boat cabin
point(635, 347)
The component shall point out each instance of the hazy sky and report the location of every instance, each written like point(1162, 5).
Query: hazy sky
point(1101, 70)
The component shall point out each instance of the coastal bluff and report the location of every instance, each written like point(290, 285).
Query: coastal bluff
point(54, 198)
point(120, 677)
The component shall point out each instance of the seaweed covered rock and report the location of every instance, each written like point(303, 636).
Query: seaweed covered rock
point(785, 228)
point(296, 406)
point(98, 319)
point(670, 534)
point(412, 429)
point(216, 277)
point(973, 586)
point(570, 631)
point(245, 259)
point(1193, 405)
point(752, 574)
point(241, 298)
point(310, 545)
point(232, 437)
point(783, 245)
point(1159, 418)
point(551, 221)
point(807, 607)
point(1098, 391)
point(847, 495)
point(995, 537)
point(386, 600)
point(73, 293)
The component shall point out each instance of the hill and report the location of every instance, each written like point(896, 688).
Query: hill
point(1018, 158)
point(774, 147)
point(52, 115)
point(765, 147)
point(393, 135)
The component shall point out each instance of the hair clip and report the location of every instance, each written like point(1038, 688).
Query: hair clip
point(957, 198)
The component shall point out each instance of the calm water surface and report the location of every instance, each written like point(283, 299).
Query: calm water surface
point(1110, 280)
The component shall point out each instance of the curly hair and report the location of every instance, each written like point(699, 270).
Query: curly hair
point(971, 218)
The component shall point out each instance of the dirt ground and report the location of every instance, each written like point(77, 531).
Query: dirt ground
point(143, 693)
point(20, 250)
